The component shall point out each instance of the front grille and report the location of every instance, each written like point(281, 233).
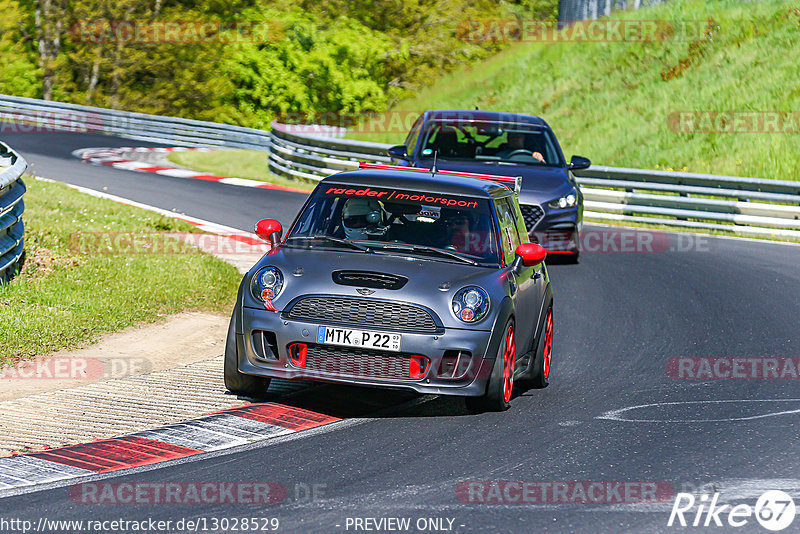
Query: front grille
point(369, 279)
point(357, 363)
point(364, 313)
point(532, 215)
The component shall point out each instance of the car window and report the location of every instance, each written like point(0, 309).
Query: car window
point(487, 141)
point(379, 217)
point(509, 233)
point(411, 140)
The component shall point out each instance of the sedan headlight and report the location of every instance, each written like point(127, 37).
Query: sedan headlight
point(471, 304)
point(567, 201)
point(267, 284)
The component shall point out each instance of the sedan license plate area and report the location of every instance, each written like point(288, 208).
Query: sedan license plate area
point(349, 337)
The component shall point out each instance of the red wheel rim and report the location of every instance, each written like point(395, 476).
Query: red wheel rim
point(509, 357)
point(548, 343)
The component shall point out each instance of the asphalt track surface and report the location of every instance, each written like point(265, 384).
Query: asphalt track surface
point(620, 317)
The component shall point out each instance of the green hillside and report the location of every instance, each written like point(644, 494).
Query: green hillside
point(615, 101)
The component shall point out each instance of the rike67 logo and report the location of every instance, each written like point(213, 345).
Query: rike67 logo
point(774, 510)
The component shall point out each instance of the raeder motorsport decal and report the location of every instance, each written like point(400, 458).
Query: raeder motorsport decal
point(402, 196)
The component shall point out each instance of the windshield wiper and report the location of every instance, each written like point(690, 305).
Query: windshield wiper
point(331, 240)
point(432, 250)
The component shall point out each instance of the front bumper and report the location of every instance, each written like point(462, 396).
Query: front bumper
point(557, 230)
point(275, 361)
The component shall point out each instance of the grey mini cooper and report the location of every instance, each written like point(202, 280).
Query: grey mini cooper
point(398, 278)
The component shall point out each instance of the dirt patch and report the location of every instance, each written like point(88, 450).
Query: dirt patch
point(175, 341)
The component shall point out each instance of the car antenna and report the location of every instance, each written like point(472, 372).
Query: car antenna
point(434, 170)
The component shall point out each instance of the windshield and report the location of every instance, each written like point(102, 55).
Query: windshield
point(491, 142)
point(447, 227)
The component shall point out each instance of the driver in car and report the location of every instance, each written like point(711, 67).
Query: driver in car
point(363, 219)
point(516, 142)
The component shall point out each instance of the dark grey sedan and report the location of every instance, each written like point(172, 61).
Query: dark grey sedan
point(401, 279)
point(508, 144)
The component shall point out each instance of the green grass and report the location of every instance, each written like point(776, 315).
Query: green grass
point(611, 102)
point(64, 298)
point(250, 164)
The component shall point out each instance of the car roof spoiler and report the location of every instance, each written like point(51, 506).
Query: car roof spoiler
point(514, 184)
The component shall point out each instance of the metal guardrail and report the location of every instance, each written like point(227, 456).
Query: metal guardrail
point(746, 206)
point(28, 114)
point(12, 247)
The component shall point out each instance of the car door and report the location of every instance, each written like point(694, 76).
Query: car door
point(536, 288)
point(511, 235)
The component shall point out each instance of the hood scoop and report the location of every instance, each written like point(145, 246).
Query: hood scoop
point(369, 279)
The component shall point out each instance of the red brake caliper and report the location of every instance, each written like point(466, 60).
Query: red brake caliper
point(548, 343)
point(508, 364)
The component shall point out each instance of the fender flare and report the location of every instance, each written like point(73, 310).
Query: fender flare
point(547, 302)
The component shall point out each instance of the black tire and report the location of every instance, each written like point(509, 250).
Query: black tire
point(237, 382)
point(572, 259)
point(540, 367)
point(498, 390)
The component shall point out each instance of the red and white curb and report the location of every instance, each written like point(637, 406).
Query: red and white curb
point(222, 430)
point(111, 157)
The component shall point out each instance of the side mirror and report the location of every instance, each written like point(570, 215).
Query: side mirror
point(399, 152)
point(579, 162)
point(269, 230)
point(530, 254)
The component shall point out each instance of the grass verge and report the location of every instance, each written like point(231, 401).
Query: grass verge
point(251, 164)
point(65, 299)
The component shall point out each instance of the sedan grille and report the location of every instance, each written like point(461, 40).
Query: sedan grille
point(364, 313)
point(532, 215)
point(358, 363)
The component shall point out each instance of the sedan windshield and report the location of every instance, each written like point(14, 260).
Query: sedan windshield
point(390, 221)
point(491, 142)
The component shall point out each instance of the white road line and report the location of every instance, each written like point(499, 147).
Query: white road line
point(202, 224)
point(617, 415)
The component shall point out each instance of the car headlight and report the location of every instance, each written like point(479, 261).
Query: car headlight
point(471, 304)
point(267, 284)
point(567, 201)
